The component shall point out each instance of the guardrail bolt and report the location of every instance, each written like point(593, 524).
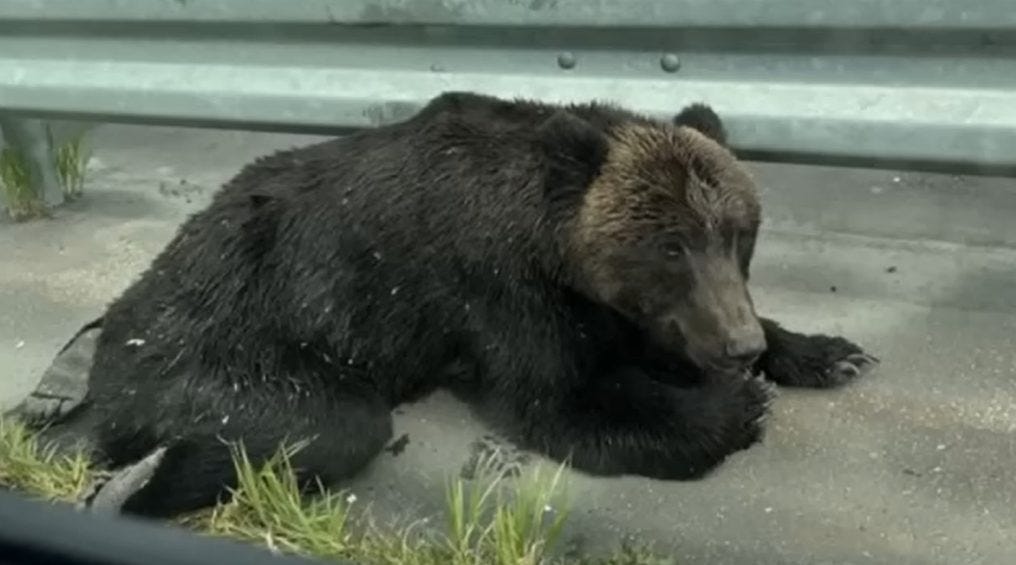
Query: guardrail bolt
point(670, 62)
point(566, 60)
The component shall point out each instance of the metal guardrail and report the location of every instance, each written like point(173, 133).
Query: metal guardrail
point(921, 83)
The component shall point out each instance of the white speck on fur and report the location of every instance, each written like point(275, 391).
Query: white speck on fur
point(135, 342)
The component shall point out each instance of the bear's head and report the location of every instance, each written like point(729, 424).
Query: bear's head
point(659, 224)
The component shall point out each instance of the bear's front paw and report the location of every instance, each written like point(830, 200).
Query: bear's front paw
point(816, 361)
point(754, 397)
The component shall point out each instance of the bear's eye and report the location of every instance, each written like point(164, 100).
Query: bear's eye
point(673, 249)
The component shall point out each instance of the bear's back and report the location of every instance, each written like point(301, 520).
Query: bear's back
point(444, 206)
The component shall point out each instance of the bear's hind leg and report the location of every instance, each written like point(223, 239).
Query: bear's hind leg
point(811, 361)
point(345, 428)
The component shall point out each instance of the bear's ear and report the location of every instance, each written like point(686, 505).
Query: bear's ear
point(574, 150)
point(702, 118)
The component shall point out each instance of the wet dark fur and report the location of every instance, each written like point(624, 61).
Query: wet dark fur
point(325, 285)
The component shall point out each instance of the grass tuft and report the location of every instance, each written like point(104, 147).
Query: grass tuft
point(16, 181)
point(23, 203)
point(494, 519)
point(39, 470)
point(71, 163)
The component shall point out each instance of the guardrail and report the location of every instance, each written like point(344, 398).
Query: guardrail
point(906, 83)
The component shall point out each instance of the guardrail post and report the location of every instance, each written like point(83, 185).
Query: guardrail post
point(32, 142)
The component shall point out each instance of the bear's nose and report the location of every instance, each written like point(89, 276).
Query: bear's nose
point(745, 347)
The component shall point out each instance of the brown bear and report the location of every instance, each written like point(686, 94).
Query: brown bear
point(578, 273)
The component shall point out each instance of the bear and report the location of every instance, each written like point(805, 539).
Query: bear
point(577, 272)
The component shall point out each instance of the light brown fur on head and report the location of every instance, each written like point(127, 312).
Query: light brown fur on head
point(671, 177)
point(664, 234)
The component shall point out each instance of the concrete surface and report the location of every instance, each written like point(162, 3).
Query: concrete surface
point(912, 465)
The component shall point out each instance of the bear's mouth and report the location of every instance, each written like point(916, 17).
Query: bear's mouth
point(667, 367)
point(674, 369)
